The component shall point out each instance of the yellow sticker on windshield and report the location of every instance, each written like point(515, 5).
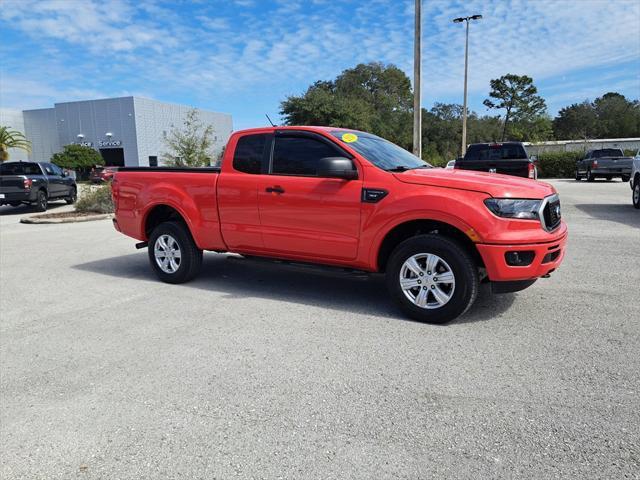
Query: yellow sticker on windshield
point(349, 138)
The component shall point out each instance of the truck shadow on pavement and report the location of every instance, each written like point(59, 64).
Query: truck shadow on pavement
point(614, 212)
point(8, 210)
point(240, 278)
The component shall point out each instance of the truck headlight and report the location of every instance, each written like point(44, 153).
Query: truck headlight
point(514, 208)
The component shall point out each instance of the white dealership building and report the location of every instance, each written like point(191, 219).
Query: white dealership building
point(126, 131)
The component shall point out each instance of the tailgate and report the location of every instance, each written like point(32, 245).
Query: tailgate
point(12, 183)
point(519, 168)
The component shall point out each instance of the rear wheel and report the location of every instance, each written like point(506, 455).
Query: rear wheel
point(578, 176)
point(15, 204)
point(432, 278)
point(73, 196)
point(173, 254)
point(609, 177)
point(626, 178)
point(590, 177)
point(41, 201)
point(636, 193)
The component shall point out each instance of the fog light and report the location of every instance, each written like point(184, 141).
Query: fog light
point(519, 259)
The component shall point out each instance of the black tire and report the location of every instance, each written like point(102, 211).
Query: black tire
point(636, 192)
point(626, 178)
point(73, 196)
point(42, 201)
point(609, 177)
point(190, 259)
point(590, 177)
point(578, 176)
point(15, 204)
point(461, 264)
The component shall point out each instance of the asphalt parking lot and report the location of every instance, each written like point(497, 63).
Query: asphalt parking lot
point(259, 370)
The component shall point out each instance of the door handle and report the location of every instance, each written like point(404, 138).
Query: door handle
point(275, 189)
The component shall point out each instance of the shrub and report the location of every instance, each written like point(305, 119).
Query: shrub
point(558, 164)
point(96, 200)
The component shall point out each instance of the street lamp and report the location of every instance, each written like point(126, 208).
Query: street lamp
point(466, 61)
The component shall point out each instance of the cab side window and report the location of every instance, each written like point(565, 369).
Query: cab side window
point(299, 155)
point(249, 153)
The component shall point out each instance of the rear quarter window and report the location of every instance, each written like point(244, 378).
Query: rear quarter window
point(249, 153)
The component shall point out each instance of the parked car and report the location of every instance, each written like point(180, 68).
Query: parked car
point(102, 174)
point(508, 158)
point(35, 183)
point(635, 180)
point(349, 199)
point(604, 163)
point(450, 164)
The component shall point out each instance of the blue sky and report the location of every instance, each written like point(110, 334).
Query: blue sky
point(244, 56)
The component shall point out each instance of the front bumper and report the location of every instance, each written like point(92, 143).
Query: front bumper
point(547, 257)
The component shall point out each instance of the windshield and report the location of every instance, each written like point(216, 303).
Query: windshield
point(607, 152)
point(382, 153)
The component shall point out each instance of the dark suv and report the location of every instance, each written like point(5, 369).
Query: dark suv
point(35, 183)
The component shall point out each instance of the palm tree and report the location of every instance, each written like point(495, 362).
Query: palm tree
point(12, 139)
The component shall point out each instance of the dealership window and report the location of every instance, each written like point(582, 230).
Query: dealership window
point(249, 153)
point(299, 155)
point(153, 161)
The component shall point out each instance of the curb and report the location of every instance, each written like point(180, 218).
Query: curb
point(85, 218)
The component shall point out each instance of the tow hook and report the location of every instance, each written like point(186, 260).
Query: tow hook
point(142, 245)
point(548, 274)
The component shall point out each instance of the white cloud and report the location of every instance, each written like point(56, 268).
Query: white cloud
point(221, 49)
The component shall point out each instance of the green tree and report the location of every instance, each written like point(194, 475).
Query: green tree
point(617, 116)
point(517, 95)
point(575, 122)
point(77, 157)
point(189, 146)
point(373, 97)
point(12, 139)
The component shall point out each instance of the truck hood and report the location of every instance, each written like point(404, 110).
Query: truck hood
point(493, 184)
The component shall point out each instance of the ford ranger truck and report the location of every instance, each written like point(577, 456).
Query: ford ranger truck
point(349, 199)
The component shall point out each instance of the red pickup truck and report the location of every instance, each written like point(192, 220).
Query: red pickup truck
point(349, 199)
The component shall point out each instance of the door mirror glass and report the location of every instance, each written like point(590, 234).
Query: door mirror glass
point(337, 167)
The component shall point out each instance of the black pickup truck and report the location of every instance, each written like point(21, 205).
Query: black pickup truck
point(604, 163)
point(508, 158)
point(35, 183)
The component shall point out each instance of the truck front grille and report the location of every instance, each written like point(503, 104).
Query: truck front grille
point(551, 213)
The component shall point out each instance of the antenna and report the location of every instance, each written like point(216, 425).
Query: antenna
point(267, 115)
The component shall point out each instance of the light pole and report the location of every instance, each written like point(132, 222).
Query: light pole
point(417, 110)
point(466, 62)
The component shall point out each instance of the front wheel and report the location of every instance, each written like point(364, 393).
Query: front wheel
point(73, 196)
point(636, 193)
point(590, 177)
point(626, 178)
point(173, 254)
point(578, 176)
point(432, 278)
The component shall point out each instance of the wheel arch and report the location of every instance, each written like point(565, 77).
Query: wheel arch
point(412, 228)
point(160, 213)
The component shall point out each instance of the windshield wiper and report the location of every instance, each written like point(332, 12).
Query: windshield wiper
point(399, 168)
point(403, 168)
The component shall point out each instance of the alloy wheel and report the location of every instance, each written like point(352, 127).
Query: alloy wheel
point(167, 253)
point(427, 280)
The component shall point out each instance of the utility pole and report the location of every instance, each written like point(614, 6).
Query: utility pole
point(417, 109)
point(464, 103)
point(463, 149)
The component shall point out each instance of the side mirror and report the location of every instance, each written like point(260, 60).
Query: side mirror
point(337, 167)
